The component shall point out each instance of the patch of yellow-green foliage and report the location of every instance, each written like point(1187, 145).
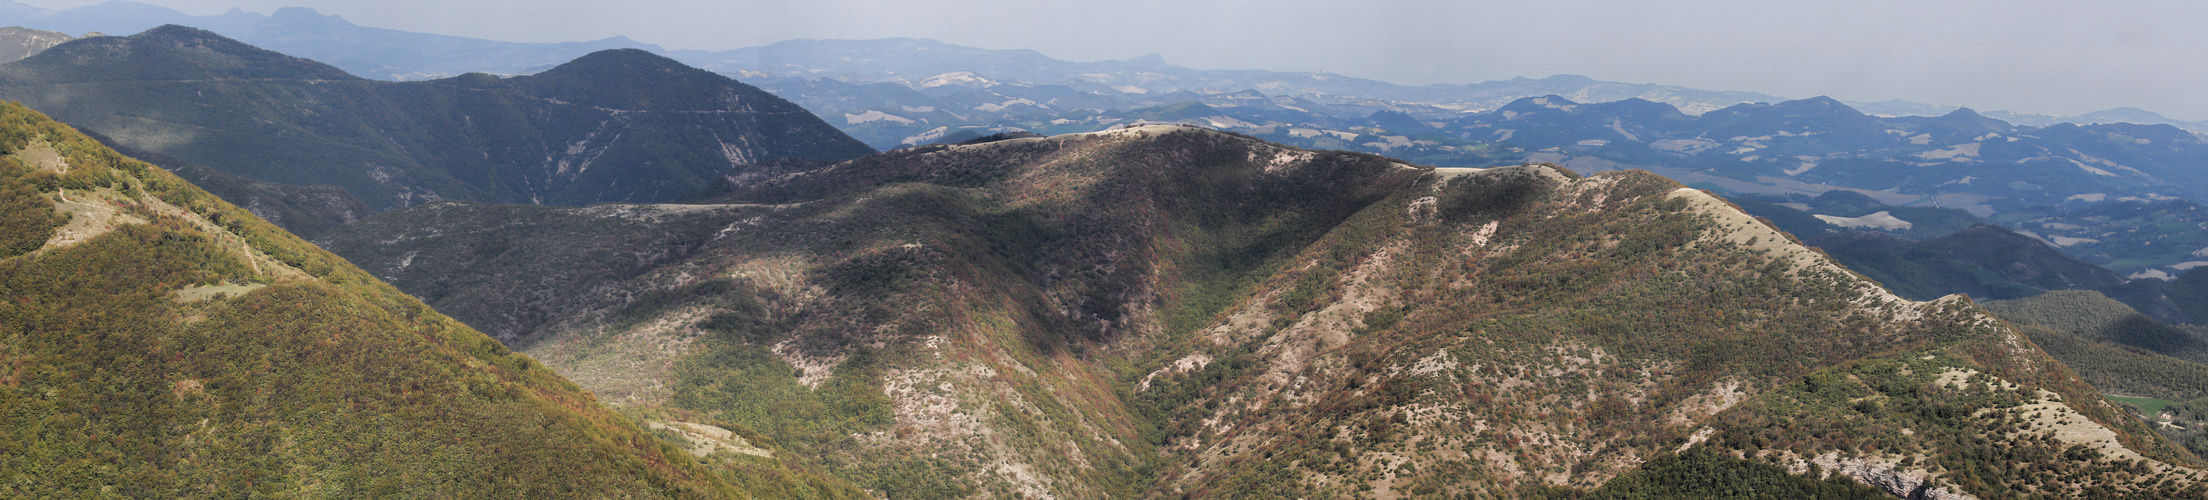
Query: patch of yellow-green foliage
point(331, 384)
point(215, 292)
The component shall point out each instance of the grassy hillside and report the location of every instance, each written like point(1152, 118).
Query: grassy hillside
point(1179, 312)
point(618, 125)
point(161, 343)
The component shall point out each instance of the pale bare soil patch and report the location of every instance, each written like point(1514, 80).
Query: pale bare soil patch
point(1721, 396)
point(91, 213)
point(226, 290)
point(97, 211)
point(626, 366)
point(706, 439)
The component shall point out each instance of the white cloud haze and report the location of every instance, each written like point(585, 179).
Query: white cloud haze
point(2038, 56)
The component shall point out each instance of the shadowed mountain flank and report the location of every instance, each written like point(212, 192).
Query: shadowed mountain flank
point(616, 125)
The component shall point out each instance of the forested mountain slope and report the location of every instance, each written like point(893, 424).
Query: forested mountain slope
point(617, 125)
point(1179, 311)
point(157, 342)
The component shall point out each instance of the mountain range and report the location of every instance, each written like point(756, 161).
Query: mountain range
point(1161, 310)
point(1118, 308)
point(620, 125)
point(874, 92)
point(1814, 145)
point(2062, 183)
point(529, 139)
point(376, 53)
point(387, 54)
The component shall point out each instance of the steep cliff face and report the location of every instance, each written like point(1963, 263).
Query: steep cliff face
point(1178, 311)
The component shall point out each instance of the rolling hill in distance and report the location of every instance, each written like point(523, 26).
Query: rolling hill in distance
point(619, 125)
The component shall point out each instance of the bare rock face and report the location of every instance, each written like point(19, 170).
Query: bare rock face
point(18, 42)
point(1905, 483)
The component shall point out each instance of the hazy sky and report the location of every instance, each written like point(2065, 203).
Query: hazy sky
point(2057, 57)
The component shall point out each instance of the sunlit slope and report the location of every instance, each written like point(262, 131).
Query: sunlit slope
point(156, 342)
point(1183, 312)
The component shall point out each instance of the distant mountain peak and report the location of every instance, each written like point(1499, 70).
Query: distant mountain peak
point(638, 79)
point(628, 65)
point(183, 33)
point(1568, 80)
point(1533, 104)
point(1814, 106)
point(299, 12)
point(173, 52)
point(609, 58)
point(2123, 115)
point(1968, 121)
point(1963, 112)
point(1819, 101)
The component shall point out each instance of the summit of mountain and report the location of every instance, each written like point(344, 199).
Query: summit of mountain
point(2123, 115)
point(1834, 125)
point(1641, 111)
point(618, 125)
point(636, 79)
point(1963, 125)
point(167, 52)
point(1172, 310)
